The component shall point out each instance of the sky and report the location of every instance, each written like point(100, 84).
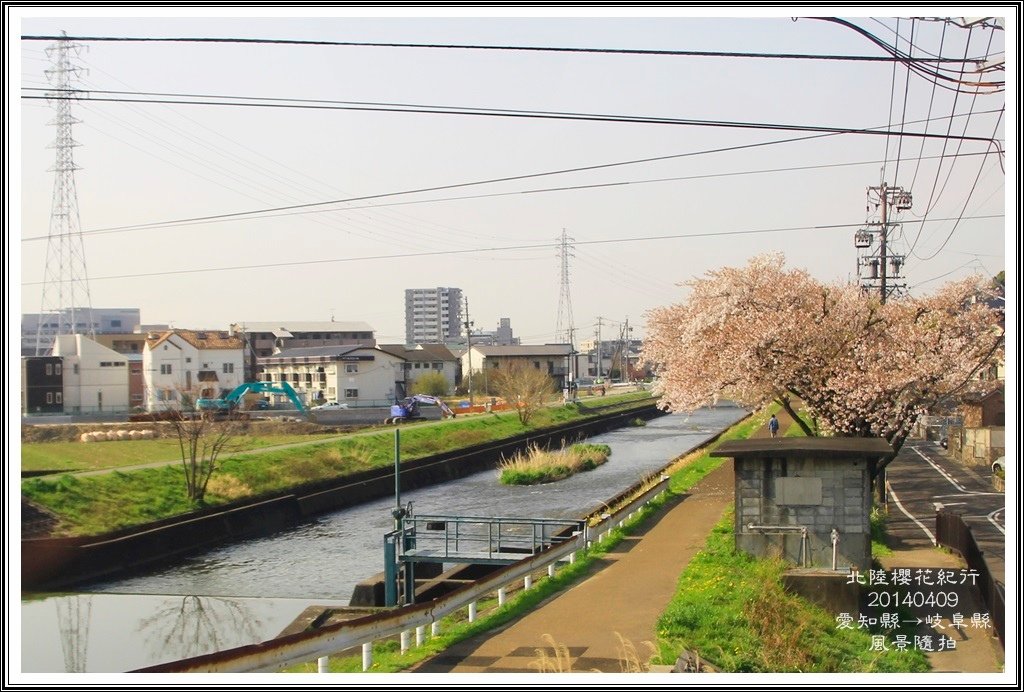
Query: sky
point(712, 199)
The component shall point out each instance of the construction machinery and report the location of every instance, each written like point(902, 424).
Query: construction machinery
point(408, 409)
point(230, 402)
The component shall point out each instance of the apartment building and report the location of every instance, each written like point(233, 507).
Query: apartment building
point(432, 315)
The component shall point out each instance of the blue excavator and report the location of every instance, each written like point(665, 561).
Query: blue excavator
point(230, 402)
point(408, 409)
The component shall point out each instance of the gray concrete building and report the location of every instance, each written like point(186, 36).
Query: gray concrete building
point(807, 500)
point(432, 315)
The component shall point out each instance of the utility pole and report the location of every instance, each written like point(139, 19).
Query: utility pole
point(468, 324)
point(880, 269)
point(882, 242)
point(599, 365)
point(627, 351)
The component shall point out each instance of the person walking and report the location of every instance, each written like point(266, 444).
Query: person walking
point(773, 426)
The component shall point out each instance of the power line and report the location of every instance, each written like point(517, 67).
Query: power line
point(452, 46)
point(259, 102)
point(439, 188)
point(490, 195)
point(532, 246)
point(931, 103)
point(278, 172)
point(906, 59)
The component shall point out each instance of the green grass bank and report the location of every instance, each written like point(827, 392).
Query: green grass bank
point(89, 505)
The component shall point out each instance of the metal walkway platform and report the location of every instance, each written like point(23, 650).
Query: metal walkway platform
point(479, 540)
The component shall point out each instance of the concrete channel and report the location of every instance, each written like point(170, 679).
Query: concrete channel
point(56, 563)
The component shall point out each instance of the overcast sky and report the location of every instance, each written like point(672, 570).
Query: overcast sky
point(144, 163)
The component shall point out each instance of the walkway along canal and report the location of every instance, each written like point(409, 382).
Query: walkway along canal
point(241, 593)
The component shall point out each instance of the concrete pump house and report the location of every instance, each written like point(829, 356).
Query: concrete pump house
point(796, 497)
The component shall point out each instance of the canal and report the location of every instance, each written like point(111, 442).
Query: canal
point(249, 592)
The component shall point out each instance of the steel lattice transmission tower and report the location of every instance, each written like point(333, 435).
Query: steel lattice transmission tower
point(564, 322)
point(65, 281)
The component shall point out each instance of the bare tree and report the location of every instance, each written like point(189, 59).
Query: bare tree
point(202, 437)
point(526, 388)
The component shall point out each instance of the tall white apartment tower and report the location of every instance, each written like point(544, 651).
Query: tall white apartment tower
point(432, 315)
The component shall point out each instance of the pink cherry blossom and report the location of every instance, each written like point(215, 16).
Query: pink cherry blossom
point(859, 367)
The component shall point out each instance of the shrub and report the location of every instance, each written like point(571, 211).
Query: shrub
point(431, 384)
point(538, 465)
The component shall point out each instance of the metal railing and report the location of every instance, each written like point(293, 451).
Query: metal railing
point(455, 538)
point(361, 632)
point(953, 532)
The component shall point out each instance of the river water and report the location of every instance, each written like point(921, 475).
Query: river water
point(248, 592)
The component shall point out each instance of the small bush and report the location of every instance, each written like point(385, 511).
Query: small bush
point(542, 466)
point(431, 384)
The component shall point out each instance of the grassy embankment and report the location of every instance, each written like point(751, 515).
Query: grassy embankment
point(98, 504)
point(729, 607)
point(95, 456)
point(733, 611)
point(538, 465)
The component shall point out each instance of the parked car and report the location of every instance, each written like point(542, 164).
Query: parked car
point(330, 406)
point(262, 405)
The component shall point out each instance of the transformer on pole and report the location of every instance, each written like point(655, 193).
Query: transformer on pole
point(878, 269)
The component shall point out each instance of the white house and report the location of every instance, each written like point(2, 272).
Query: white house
point(95, 377)
point(191, 362)
point(356, 375)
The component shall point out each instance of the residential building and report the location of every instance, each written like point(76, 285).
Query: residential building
point(190, 363)
point(95, 377)
point(424, 358)
point(80, 320)
point(42, 384)
point(263, 339)
point(432, 315)
point(551, 358)
point(354, 375)
point(131, 346)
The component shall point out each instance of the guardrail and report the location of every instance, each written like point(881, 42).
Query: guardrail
point(448, 538)
point(953, 532)
point(318, 645)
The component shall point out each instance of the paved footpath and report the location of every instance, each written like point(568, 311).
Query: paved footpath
point(625, 595)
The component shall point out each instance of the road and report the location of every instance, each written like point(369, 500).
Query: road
point(924, 478)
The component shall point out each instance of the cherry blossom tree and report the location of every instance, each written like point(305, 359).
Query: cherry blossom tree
point(859, 367)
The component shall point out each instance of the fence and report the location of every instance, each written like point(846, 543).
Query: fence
point(318, 645)
point(952, 532)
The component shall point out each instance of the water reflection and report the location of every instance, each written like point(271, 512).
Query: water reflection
point(105, 633)
point(73, 616)
point(197, 625)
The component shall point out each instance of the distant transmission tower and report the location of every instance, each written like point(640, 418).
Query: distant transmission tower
point(65, 301)
point(564, 322)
